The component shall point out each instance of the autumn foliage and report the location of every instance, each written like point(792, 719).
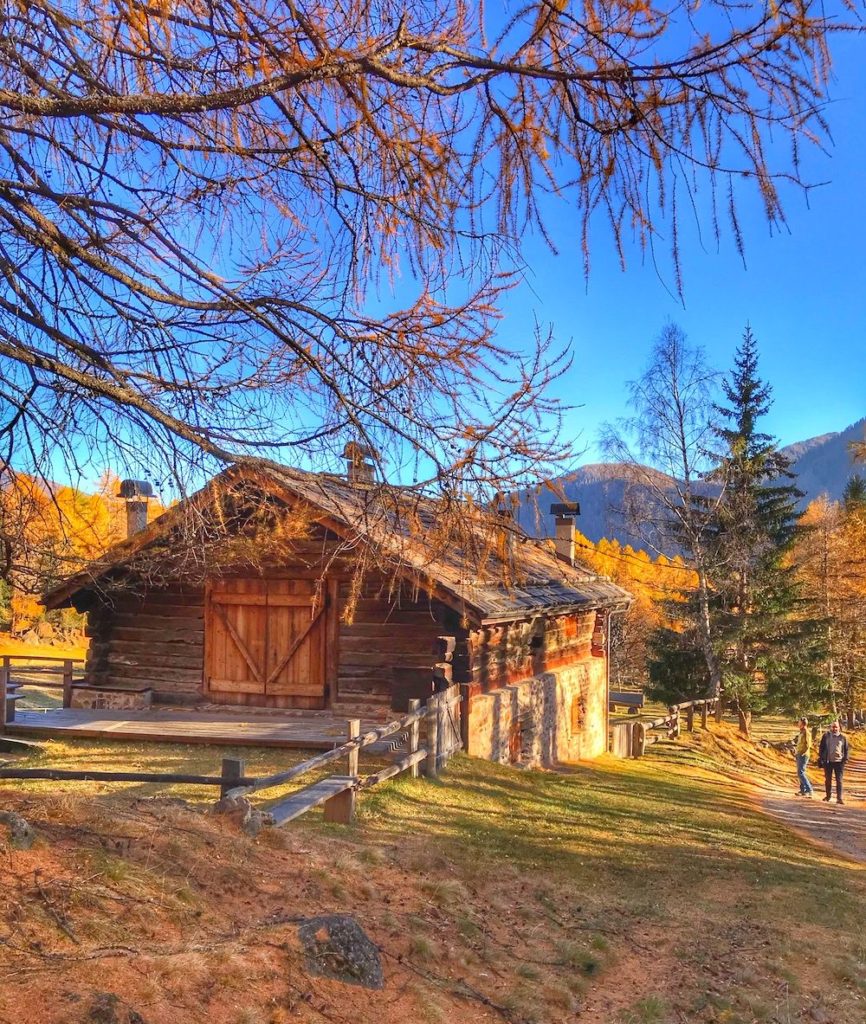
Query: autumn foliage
point(49, 532)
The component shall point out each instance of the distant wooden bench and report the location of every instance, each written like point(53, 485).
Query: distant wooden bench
point(631, 700)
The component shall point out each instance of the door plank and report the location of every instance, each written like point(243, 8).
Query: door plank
point(239, 643)
point(295, 646)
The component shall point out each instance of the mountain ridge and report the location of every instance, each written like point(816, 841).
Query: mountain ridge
point(821, 464)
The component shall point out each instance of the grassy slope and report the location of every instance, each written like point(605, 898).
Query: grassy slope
point(622, 891)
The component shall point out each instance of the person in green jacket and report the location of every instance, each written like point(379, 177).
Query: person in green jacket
point(804, 748)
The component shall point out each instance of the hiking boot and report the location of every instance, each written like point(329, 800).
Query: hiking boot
point(826, 799)
point(840, 801)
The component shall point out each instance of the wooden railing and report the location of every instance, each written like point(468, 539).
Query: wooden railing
point(338, 793)
point(629, 739)
point(51, 673)
point(440, 715)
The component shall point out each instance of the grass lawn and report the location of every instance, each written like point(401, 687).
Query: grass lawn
point(631, 892)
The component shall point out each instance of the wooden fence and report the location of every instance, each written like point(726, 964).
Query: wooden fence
point(440, 717)
point(50, 673)
point(630, 739)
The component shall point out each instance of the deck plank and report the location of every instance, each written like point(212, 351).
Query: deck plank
point(302, 732)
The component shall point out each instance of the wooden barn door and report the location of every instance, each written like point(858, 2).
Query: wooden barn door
point(265, 643)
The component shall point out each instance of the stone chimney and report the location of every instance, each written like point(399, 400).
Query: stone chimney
point(359, 468)
point(135, 493)
point(564, 513)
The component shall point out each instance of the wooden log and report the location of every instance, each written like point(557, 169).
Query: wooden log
point(443, 648)
point(414, 733)
point(61, 775)
point(638, 739)
point(144, 656)
point(690, 718)
point(409, 761)
point(232, 773)
point(384, 654)
point(118, 674)
point(169, 633)
point(67, 683)
point(153, 620)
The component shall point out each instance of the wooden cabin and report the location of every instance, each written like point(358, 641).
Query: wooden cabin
point(281, 589)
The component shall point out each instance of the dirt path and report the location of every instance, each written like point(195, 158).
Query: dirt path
point(841, 828)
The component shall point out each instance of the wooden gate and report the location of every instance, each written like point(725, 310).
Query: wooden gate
point(265, 643)
point(443, 737)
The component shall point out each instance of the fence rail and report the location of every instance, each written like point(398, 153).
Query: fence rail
point(440, 717)
point(629, 739)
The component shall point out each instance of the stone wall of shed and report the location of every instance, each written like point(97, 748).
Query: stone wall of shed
point(553, 717)
point(537, 690)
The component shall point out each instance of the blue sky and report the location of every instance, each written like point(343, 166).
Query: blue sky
point(803, 289)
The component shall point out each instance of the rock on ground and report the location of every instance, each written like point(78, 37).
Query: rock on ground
point(336, 946)
point(21, 833)
point(107, 1008)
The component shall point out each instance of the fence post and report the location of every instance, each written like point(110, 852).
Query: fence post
point(431, 761)
point(231, 774)
point(353, 731)
point(638, 739)
point(67, 684)
point(4, 689)
point(705, 711)
point(720, 708)
point(674, 728)
point(341, 808)
point(690, 717)
point(414, 731)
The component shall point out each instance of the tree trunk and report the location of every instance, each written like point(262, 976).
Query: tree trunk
point(745, 721)
point(715, 687)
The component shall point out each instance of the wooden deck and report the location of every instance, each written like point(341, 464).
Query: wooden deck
point(311, 731)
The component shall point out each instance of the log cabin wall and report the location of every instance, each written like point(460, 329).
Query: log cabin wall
point(154, 639)
point(158, 638)
point(388, 632)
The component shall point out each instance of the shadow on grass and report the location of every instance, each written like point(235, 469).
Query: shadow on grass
point(636, 835)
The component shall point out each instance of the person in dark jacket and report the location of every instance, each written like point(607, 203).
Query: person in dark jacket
point(832, 755)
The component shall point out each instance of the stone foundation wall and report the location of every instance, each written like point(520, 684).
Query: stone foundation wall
point(554, 716)
point(104, 699)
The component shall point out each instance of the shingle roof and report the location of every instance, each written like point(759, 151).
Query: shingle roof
point(487, 565)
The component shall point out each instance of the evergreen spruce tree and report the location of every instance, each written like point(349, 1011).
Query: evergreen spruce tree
point(769, 649)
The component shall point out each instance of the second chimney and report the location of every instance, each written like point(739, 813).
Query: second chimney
point(135, 493)
point(564, 513)
point(359, 470)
